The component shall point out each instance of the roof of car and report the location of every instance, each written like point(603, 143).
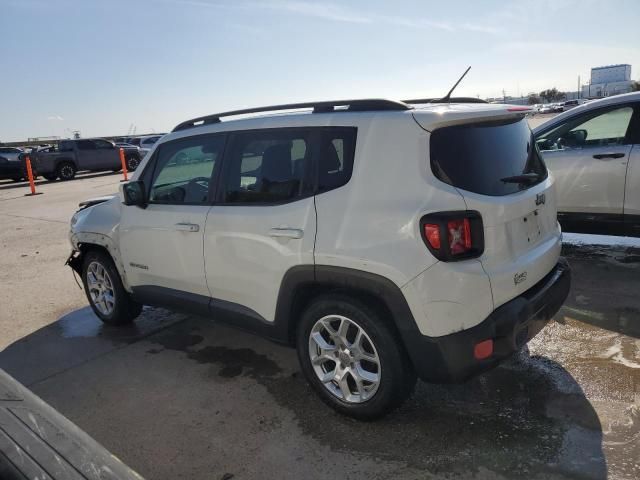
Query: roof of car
point(457, 107)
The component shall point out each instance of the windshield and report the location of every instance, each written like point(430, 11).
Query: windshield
point(490, 158)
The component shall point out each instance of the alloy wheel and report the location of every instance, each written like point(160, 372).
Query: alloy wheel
point(67, 172)
point(344, 359)
point(100, 288)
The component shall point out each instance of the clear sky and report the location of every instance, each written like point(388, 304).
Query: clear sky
point(102, 66)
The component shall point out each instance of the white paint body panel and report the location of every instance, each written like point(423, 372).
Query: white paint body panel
point(586, 184)
point(245, 264)
point(155, 252)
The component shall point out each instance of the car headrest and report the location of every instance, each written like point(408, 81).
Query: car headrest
point(330, 161)
point(276, 163)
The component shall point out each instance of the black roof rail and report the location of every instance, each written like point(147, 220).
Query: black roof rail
point(361, 105)
point(417, 101)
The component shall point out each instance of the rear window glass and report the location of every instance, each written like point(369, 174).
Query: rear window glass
point(490, 158)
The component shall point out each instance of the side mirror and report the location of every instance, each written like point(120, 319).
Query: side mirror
point(545, 144)
point(133, 194)
point(574, 138)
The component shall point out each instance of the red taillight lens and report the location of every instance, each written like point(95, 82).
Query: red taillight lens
point(432, 232)
point(459, 232)
point(453, 236)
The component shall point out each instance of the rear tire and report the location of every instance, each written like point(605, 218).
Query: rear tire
point(132, 163)
point(102, 284)
point(66, 171)
point(354, 361)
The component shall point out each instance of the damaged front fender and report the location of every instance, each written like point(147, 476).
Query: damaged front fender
point(75, 261)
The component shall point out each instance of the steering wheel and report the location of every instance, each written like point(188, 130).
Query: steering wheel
point(196, 189)
point(200, 181)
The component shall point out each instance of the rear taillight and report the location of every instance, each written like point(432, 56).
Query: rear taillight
point(432, 233)
point(459, 236)
point(452, 236)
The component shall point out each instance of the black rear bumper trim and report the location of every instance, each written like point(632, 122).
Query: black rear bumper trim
point(449, 359)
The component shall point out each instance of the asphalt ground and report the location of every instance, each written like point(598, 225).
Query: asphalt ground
point(178, 396)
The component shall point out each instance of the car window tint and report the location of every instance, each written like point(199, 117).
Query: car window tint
point(267, 167)
point(184, 170)
point(335, 157)
point(65, 146)
point(102, 145)
point(589, 130)
point(86, 145)
point(477, 157)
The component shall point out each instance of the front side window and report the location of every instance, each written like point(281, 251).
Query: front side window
point(267, 167)
point(596, 129)
point(185, 169)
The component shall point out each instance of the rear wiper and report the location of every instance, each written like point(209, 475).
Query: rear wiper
point(524, 178)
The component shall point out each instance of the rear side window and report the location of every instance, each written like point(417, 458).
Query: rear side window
point(335, 157)
point(86, 145)
point(65, 146)
point(268, 167)
point(489, 158)
point(103, 145)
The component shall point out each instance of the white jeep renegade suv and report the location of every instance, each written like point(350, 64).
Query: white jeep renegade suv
point(385, 240)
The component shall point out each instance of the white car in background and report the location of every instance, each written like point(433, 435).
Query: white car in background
point(593, 151)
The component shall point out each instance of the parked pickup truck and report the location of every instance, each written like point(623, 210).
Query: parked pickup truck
point(94, 154)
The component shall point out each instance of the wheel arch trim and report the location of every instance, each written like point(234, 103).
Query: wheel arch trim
point(85, 241)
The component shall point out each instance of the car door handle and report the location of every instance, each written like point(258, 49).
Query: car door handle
point(286, 232)
point(601, 156)
point(187, 227)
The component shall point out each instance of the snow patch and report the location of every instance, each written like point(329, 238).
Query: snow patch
point(588, 239)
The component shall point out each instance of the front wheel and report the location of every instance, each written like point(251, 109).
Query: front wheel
point(103, 287)
point(352, 358)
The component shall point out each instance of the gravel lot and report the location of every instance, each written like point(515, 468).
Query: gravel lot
point(178, 396)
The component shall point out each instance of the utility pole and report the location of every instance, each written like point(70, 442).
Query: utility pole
point(504, 96)
point(579, 90)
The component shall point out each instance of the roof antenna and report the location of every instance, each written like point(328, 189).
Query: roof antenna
point(447, 97)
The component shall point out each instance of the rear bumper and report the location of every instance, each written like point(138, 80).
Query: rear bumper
point(450, 358)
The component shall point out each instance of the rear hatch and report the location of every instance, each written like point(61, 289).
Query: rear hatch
point(494, 163)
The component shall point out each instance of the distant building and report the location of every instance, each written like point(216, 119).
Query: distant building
point(608, 80)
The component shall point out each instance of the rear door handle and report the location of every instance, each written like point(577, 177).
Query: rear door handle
point(601, 156)
point(286, 232)
point(187, 227)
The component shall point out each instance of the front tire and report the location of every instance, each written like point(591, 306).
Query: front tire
point(352, 358)
point(103, 287)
